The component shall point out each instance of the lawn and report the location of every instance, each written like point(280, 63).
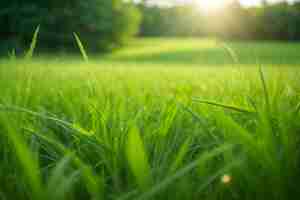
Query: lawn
point(159, 119)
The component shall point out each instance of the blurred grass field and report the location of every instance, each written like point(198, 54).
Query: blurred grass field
point(204, 52)
point(160, 119)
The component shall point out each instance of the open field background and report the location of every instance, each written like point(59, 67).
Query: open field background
point(204, 52)
point(161, 119)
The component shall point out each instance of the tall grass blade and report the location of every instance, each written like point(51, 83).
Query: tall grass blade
point(170, 114)
point(62, 123)
point(297, 110)
point(233, 108)
point(12, 55)
point(27, 161)
point(65, 187)
point(94, 184)
point(81, 48)
point(137, 159)
point(58, 172)
point(234, 132)
point(265, 88)
point(194, 115)
point(60, 184)
point(230, 52)
point(33, 43)
point(180, 155)
point(266, 117)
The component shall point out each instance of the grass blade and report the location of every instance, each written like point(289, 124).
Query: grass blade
point(234, 131)
point(170, 112)
point(180, 155)
point(137, 159)
point(26, 158)
point(93, 183)
point(230, 52)
point(12, 55)
point(58, 172)
point(265, 88)
point(59, 183)
point(81, 48)
point(33, 43)
point(233, 108)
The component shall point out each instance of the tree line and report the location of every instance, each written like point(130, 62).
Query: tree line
point(279, 21)
point(106, 24)
point(101, 24)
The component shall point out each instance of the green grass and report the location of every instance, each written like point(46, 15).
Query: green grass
point(160, 119)
point(179, 52)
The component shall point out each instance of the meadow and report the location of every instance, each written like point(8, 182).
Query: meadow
point(159, 119)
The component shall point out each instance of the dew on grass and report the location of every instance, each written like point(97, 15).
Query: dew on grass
point(226, 179)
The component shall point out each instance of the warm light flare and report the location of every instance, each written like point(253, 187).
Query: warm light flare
point(211, 5)
point(226, 179)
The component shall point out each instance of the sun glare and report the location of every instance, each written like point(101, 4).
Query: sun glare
point(211, 5)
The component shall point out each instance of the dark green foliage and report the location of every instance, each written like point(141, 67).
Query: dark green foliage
point(280, 21)
point(102, 24)
point(173, 21)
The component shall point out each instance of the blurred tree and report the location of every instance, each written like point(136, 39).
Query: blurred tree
point(279, 21)
point(101, 24)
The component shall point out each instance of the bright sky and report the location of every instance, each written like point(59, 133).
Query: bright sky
point(208, 6)
point(250, 2)
point(215, 3)
point(254, 2)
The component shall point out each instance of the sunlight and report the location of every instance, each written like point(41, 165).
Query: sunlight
point(211, 5)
